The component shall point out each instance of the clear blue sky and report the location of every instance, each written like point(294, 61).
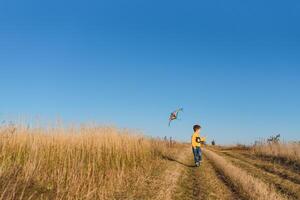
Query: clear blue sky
point(234, 66)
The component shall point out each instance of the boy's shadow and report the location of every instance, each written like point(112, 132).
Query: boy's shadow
point(177, 161)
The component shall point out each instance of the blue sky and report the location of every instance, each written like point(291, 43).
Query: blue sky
point(234, 66)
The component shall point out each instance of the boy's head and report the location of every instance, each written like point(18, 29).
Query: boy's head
point(197, 128)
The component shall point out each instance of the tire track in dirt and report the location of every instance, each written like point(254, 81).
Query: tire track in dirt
point(171, 176)
point(271, 167)
point(284, 186)
point(248, 186)
point(203, 183)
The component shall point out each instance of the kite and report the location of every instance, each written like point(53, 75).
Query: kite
point(174, 115)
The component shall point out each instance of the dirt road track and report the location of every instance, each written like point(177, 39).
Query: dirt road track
point(184, 181)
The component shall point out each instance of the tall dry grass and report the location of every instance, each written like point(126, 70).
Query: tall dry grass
point(287, 152)
point(249, 186)
point(83, 163)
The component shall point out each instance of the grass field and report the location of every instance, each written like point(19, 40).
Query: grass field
point(84, 163)
point(108, 163)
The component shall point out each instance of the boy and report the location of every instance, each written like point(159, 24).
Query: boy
point(196, 145)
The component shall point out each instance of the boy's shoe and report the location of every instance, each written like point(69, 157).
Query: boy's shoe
point(197, 164)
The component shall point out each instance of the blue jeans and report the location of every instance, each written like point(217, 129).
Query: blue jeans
point(197, 154)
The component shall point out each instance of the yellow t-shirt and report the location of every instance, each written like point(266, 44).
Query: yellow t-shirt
point(196, 140)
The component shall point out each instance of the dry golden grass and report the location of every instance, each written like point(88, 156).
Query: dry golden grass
point(84, 163)
point(249, 186)
point(289, 152)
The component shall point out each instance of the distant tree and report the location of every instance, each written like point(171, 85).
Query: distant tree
point(256, 143)
point(165, 138)
point(274, 139)
point(213, 143)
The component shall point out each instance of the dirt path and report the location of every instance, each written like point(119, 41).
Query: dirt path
point(285, 185)
point(271, 167)
point(171, 175)
point(184, 181)
point(203, 183)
